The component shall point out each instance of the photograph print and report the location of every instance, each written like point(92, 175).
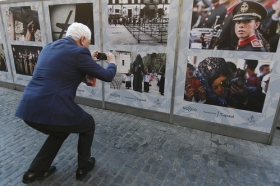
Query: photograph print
point(233, 83)
point(140, 73)
point(63, 15)
point(89, 81)
point(138, 22)
point(25, 58)
point(23, 23)
point(235, 25)
point(3, 63)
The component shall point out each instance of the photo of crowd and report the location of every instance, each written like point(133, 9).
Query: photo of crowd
point(3, 63)
point(25, 58)
point(140, 73)
point(23, 23)
point(63, 15)
point(240, 25)
point(234, 83)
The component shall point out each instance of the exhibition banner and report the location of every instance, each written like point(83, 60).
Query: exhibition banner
point(25, 35)
point(228, 65)
point(142, 35)
point(5, 70)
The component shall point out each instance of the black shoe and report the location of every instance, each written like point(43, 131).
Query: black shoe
point(81, 173)
point(30, 176)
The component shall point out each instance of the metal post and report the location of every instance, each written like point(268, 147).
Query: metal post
point(139, 24)
point(176, 60)
point(122, 8)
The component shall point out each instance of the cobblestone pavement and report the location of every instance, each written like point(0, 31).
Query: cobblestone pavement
point(136, 151)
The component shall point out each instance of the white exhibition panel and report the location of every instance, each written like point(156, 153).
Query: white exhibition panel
point(5, 66)
point(19, 47)
point(257, 121)
point(118, 39)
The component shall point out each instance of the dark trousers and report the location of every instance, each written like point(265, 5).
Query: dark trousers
point(146, 87)
point(57, 135)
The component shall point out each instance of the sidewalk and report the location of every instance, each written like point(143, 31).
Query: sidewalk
point(134, 151)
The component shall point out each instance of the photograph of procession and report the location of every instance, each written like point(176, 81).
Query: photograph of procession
point(63, 15)
point(3, 63)
point(233, 83)
point(23, 23)
point(25, 58)
point(140, 73)
point(138, 22)
point(235, 25)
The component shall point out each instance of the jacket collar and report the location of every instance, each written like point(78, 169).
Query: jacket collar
point(71, 40)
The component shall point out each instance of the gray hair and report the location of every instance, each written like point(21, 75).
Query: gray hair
point(77, 30)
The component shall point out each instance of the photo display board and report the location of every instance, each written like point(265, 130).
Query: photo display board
point(24, 28)
point(59, 15)
point(5, 70)
point(142, 36)
point(228, 65)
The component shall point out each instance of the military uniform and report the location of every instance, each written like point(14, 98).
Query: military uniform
point(209, 20)
point(270, 27)
point(228, 38)
point(251, 44)
point(250, 10)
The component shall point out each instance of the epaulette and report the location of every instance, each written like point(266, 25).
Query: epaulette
point(256, 43)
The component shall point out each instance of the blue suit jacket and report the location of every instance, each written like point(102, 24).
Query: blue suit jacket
point(49, 96)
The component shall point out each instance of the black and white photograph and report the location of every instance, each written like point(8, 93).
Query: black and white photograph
point(233, 83)
point(140, 73)
point(23, 23)
point(235, 25)
point(25, 58)
point(63, 15)
point(138, 22)
point(3, 63)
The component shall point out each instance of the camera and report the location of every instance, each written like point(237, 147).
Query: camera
point(239, 81)
point(240, 73)
point(101, 56)
point(235, 100)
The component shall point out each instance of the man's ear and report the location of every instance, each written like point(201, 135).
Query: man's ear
point(257, 24)
point(82, 40)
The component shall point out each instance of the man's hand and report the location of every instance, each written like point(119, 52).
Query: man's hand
point(111, 58)
point(240, 93)
point(276, 7)
point(94, 55)
point(189, 93)
point(29, 31)
point(201, 93)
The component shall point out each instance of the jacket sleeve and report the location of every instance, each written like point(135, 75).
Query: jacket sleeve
point(89, 67)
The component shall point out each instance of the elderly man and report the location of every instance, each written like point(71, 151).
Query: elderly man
point(47, 103)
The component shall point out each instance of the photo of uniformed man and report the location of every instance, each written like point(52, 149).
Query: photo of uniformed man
point(235, 25)
point(247, 17)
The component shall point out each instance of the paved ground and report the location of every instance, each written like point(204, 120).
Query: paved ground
point(136, 151)
point(119, 34)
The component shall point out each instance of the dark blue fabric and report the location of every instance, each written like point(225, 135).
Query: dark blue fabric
point(49, 96)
